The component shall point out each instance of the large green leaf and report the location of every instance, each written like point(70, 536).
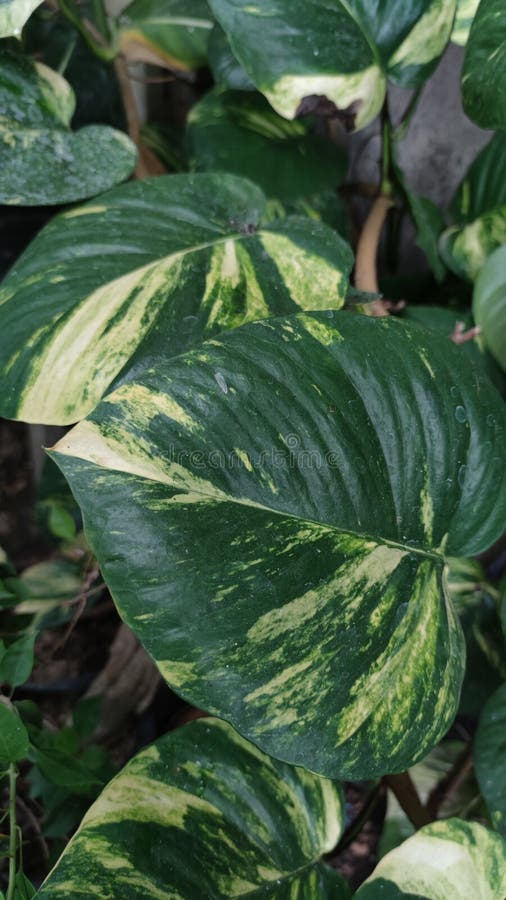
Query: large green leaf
point(334, 57)
point(203, 815)
point(152, 267)
point(489, 303)
point(271, 513)
point(13, 15)
point(174, 33)
point(466, 11)
point(239, 132)
point(489, 756)
point(450, 860)
point(41, 160)
point(484, 71)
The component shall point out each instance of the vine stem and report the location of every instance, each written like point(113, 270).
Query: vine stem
point(148, 163)
point(406, 794)
point(366, 274)
point(12, 832)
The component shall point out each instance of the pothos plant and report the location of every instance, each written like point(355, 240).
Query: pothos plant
point(282, 482)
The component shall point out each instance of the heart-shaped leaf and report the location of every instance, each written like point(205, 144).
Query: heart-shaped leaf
point(41, 161)
point(149, 270)
point(489, 304)
point(170, 33)
point(451, 859)
point(489, 752)
point(14, 14)
point(484, 70)
point(335, 62)
point(239, 132)
point(272, 513)
point(202, 814)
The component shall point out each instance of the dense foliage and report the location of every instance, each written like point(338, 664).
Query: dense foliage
point(288, 482)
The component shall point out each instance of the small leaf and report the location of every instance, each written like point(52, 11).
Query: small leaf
point(489, 756)
point(60, 522)
point(13, 735)
point(166, 32)
point(41, 161)
point(226, 821)
point(17, 661)
point(451, 860)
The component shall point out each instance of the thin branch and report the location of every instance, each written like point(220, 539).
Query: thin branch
point(406, 794)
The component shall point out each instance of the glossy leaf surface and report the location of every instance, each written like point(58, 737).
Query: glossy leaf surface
point(489, 304)
point(14, 14)
point(450, 860)
point(42, 162)
point(239, 132)
point(489, 755)
point(337, 60)
point(174, 33)
point(484, 71)
point(203, 815)
point(277, 543)
point(151, 269)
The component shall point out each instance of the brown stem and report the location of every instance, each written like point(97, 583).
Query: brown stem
point(366, 278)
point(450, 783)
point(148, 163)
point(405, 791)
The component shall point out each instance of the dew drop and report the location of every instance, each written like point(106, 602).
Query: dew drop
point(460, 414)
point(461, 477)
point(490, 420)
point(222, 384)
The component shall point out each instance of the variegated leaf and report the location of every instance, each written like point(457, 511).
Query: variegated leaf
point(203, 815)
point(272, 513)
point(466, 11)
point(172, 33)
point(149, 270)
point(464, 250)
point(42, 162)
point(337, 61)
point(450, 860)
point(479, 211)
point(484, 70)
point(239, 132)
point(489, 303)
point(489, 755)
point(14, 14)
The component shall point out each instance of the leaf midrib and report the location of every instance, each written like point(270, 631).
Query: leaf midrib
point(433, 555)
